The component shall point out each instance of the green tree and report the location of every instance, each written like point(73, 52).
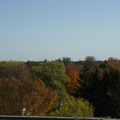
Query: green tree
point(109, 100)
point(66, 60)
point(72, 107)
point(14, 69)
point(90, 73)
point(103, 92)
point(53, 74)
point(89, 62)
point(89, 66)
point(92, 91)
point(2, 65)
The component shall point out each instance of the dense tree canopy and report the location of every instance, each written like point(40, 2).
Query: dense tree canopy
point(53, 74)
point(109, 93)
point(42, 88)
point(72, 107)
point(14, 69)
point(101, 88)
point(30, 95)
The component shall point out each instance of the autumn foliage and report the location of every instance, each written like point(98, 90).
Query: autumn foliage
point(74, 83)
point(114, 63)
point(30, 95)
point(61, 88)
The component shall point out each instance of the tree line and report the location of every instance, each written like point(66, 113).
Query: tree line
point(62, 87)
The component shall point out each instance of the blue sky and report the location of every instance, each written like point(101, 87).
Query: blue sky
point(50, 29)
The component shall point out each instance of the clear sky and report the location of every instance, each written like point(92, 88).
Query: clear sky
point(50, 29)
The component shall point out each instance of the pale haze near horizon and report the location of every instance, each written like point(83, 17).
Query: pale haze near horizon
point(50, 29)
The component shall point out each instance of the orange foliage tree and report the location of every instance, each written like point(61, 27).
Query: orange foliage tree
point(74, 83)
point(29, 97)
